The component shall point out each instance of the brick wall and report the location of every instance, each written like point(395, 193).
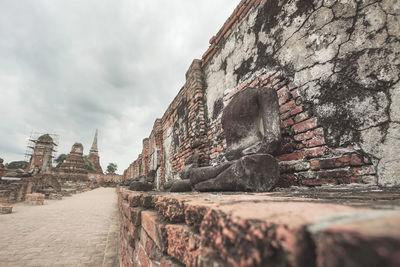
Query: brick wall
point(180, 133)
point(261, 229)
point(15, 191)
point(304, 159)
point(334, 122)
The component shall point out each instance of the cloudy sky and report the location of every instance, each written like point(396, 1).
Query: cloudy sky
point(71, 66)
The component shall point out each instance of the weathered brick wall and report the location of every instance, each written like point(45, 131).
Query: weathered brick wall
point(339, 112)
point(307, 228)
point(184, 126)
point(15, 191)
point(180, 133)
point(305, 158)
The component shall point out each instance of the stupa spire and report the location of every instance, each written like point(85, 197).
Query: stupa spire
point(94, 155)
point(94, 150)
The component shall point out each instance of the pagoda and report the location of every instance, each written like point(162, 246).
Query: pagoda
point(94, 155)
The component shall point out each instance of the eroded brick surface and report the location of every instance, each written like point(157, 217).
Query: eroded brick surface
point(294, 227)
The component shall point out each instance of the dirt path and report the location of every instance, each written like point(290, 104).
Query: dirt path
point(81, 230)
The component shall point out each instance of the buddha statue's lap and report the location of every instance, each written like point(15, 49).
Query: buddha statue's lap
point(251, 125)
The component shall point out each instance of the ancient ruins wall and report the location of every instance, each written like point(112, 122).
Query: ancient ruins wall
point(156, 156)
point(338, 79)
point(15, 191)
point(164, 229)
point(335, 66)
point(180, 133)
point(183, 124)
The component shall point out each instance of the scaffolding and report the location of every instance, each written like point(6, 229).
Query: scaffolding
point(33, 139)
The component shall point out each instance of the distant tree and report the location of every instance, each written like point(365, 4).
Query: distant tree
point(17, 165)
point(60, 159)
point(111, 168)
point(88, 165)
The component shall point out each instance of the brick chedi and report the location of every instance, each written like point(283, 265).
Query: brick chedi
point(41, 159)
point(73, 168)
point(94, 155)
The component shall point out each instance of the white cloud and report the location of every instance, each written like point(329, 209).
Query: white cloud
point(71, 66)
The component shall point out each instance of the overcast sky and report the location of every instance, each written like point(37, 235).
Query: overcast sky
point(71, 66)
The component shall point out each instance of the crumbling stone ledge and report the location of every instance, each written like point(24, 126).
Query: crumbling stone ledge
point(295, 227)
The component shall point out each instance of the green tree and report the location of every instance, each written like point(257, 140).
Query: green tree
point(17, 165)
point(88, 165)
point(60, 159)
point(111, 168)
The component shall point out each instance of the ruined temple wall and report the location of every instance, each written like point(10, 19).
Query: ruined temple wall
point(156, 151)
point(335, 66)
point(179, 133)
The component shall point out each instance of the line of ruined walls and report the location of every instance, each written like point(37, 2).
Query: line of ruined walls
point(180, 133)
point(335, 66)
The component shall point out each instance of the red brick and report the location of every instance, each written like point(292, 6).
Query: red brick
point(153, 227)
point(292, 156)
point(300, 146)
point(344, 161)
point(286, 180)
point(295, 94)
point(254, 83)
point(282, 91)
point(275, 77)
point(183, 244)
point(301, 116)
point(315, 165)
point(334, 174)
point(356, 160)
point(285, 115)
point(296, 110)
point(318, 141)
point(288, 106)
point(304, 136)
point(287, 123)
point(315, 152)
point(283, 99)
point(365, 170)
point(305, 125)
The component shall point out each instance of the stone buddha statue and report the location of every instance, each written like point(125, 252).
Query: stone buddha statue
point(251, 124)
